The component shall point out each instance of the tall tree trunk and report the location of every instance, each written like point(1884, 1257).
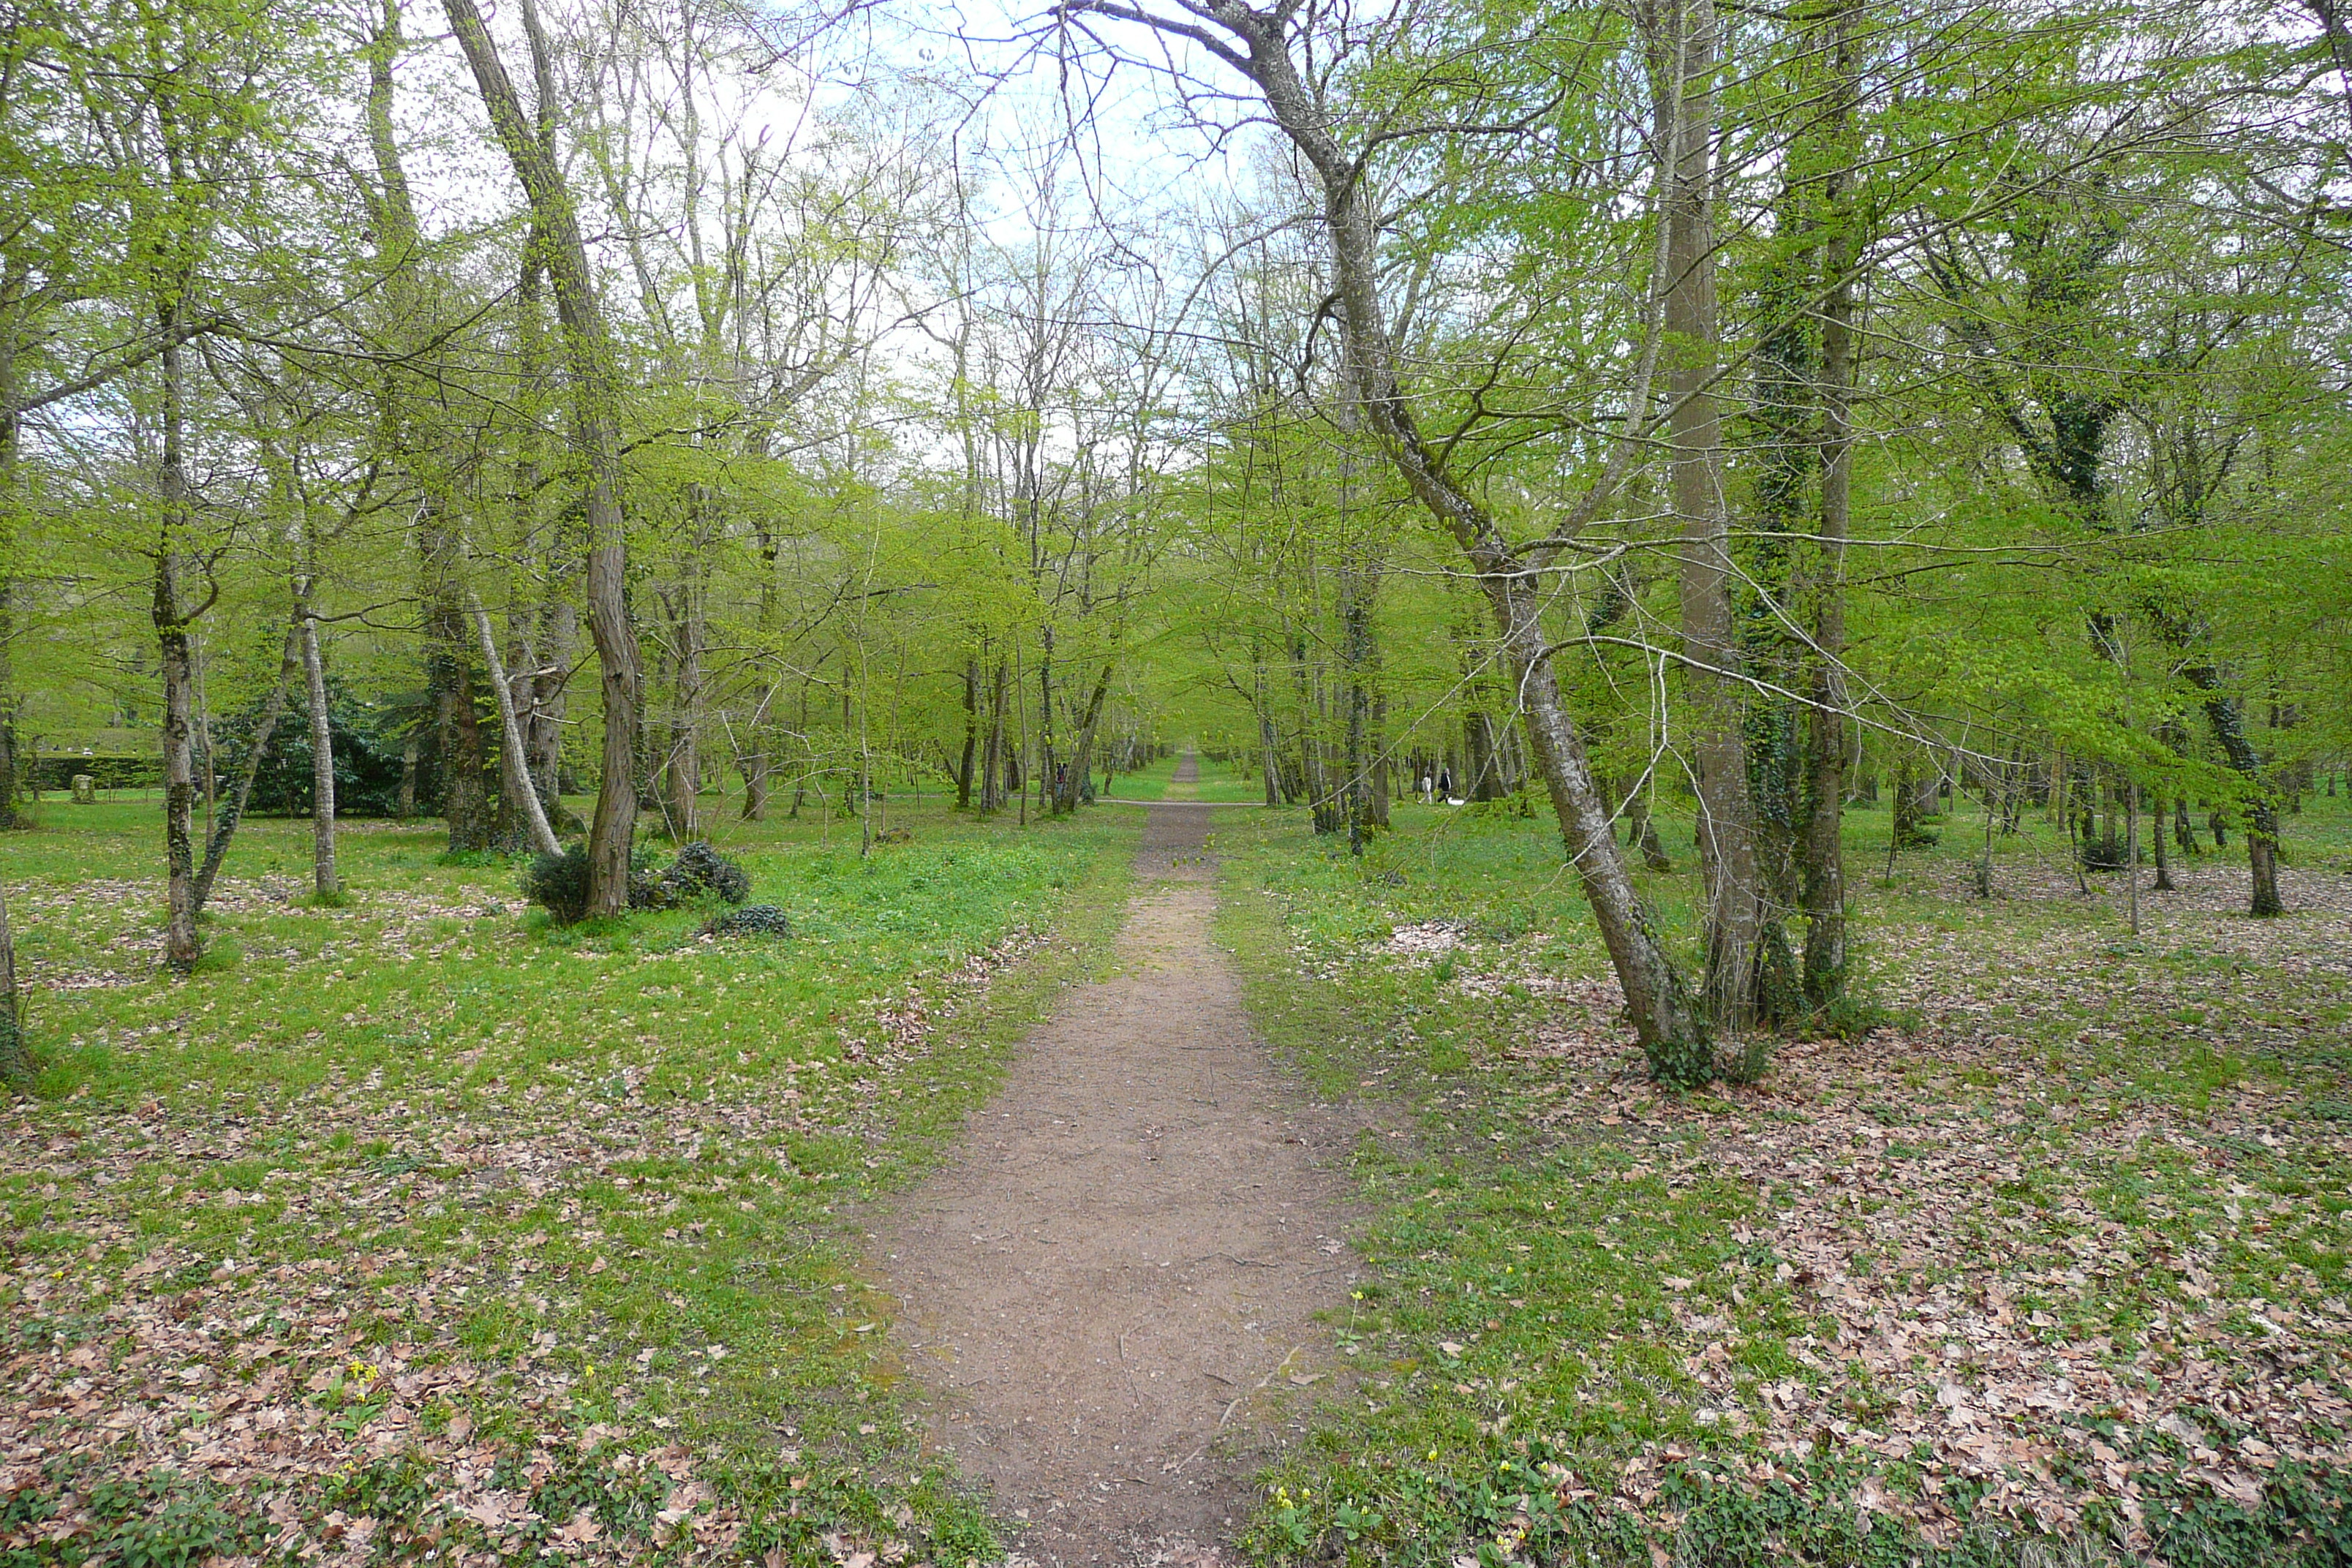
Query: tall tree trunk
point(1672, 1030)
point(457, 730)
point(754, 765)
point(2155, 840)
point(9, 817)
point(1820, 879)
point(324, 879)
point(1082, 752)
point(1642, 832)
point(970, 732)
point(405, 803)
point(1735, 911)
point(1312, 775)
point(996, 768)
point(2227, 717)
point(13, 283)
point(512, 675)
point(1266, 740)
point(1383, 766)
point(16, 1051)
point(181, 946)
point(203, 741)
point(1049, 778)
point(682, 757)
point(596, 434)
point(16, 1060)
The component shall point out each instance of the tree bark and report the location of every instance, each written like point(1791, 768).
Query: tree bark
point(542, 835)
point(458, 729)
point(2227, 717)
point(181, 946)
point(1672, 1030)
point(970, 732)
point(1082, 754)
point(225, 822)
point(13, 283)
point(1736, 910)
point(682, 758)
point(995, 765)
point(1266, 740)
point(596, 432)
point(1820, 878)
point(404, 805)
point(16, 1060)
point(324, 878)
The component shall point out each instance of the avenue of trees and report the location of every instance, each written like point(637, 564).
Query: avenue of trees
point(1622, 409)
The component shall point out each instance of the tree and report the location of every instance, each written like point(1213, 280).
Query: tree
point(1261, 45)
point(588, 353)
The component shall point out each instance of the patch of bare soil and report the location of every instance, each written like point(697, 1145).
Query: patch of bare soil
point(1110, 1292)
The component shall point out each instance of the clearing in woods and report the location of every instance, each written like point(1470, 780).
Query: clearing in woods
point(1110, 1286)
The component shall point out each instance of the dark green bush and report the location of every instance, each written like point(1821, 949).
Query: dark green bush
point(559, 884)
point(751, 919)
point(369, 738)
point(700, 869)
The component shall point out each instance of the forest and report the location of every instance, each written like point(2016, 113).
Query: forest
point(647, 647)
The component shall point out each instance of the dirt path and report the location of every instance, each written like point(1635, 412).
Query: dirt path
point(1111, 1289)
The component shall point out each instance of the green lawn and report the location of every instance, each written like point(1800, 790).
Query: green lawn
point(2053, 1262)
point(417, 1226)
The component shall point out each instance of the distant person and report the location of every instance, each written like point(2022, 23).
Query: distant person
point(1426, 797)
point(1446, 783)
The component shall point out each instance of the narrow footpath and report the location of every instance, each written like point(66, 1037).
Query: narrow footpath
point(1110, 1293)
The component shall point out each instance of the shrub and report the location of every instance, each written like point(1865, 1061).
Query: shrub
point(370, 738)
point(559, 884)
point(698, 870)
point(751, 919)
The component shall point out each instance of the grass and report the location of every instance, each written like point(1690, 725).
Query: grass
point(422, 1219)
point(2053, 1263)
point(1217, 782)
point(416, 1227)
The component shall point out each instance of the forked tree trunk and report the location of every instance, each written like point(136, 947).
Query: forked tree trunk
point(511, 732)
point(595, 419)
point(232, 812)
